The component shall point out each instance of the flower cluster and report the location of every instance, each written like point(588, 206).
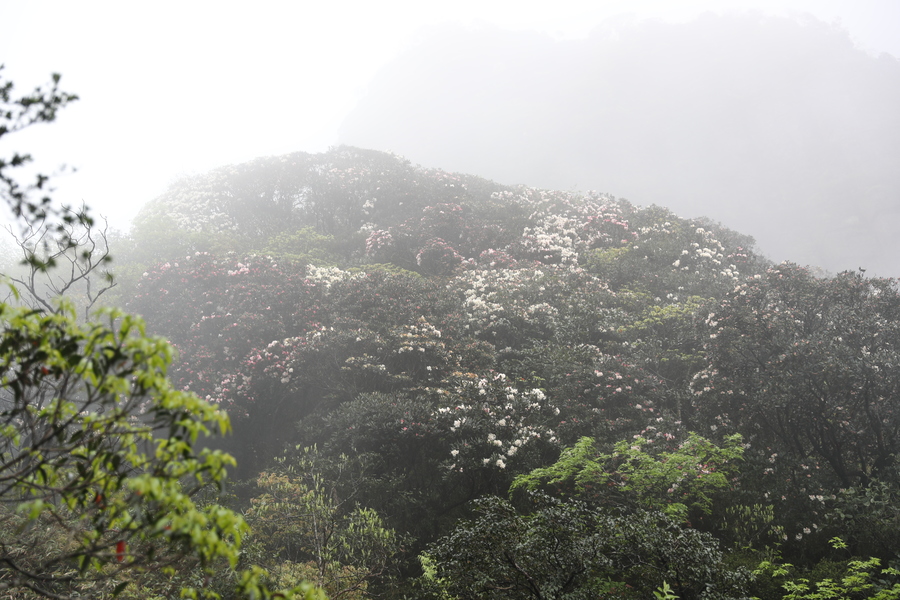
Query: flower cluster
point(437, 257)
point(377, 241)
point(492, 420)
point(328, 276)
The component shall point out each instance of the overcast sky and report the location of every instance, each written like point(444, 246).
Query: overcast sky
point(172, 88)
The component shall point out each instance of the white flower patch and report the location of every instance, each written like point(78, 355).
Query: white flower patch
point(328, 276)
point(504, 417)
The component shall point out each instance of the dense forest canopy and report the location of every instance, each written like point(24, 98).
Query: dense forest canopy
point(451, 373)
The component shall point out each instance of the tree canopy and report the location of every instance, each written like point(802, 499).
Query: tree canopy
point(464, 340)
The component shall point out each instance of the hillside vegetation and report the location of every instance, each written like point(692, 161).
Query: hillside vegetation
point(445, 387)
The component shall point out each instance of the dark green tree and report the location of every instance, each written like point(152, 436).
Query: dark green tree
point(564, 549)
point(808, 368)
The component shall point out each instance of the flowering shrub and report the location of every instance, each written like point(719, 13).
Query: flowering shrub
point(502, 324)
point(562, 225)
point(812, 363)
point(491, 421)
point(216, 310)
point(437, 257)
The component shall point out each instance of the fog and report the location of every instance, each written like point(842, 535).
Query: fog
point(781, 128)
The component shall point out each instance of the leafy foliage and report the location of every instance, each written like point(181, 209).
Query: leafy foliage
point(857, 580)
point(98, 447)
point(304, 523)
point(564, 549)
point(811, 365)
point(672, 481)
point(99, 453)
point(459, 337)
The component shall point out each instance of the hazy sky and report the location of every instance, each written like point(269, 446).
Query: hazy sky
point(171, 88)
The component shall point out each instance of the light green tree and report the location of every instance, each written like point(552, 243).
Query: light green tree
point(864, 579)
point(671, 481)
point(99, 460)
point(309, 518)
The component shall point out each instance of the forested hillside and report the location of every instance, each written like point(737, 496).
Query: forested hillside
point(444, 387)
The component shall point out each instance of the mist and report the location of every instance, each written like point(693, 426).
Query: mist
point(781, 128)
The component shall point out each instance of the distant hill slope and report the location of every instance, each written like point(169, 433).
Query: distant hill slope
point(435, 335)
point(780, 128)
point(352, 207)
point(230, 261)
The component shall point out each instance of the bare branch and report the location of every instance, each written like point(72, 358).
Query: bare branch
point(74, 265)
